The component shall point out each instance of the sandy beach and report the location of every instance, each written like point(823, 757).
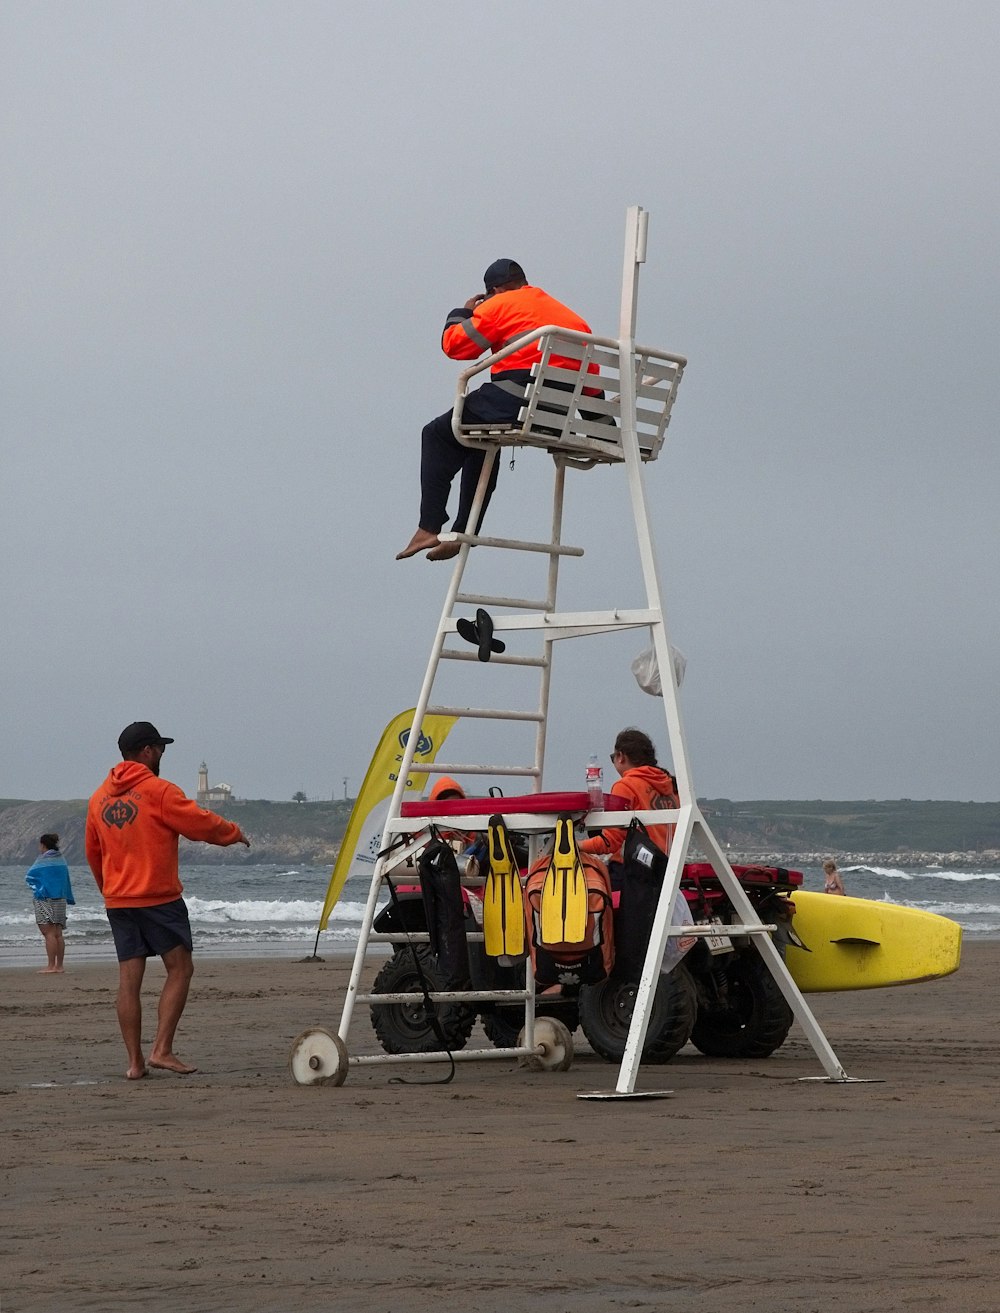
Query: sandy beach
point(235, 1188)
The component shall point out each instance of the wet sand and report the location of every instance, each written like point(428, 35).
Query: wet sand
point(746, 1190)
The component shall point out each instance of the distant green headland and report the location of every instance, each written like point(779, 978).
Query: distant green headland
point(966, 832)
point(311, 832)
point(307, 832)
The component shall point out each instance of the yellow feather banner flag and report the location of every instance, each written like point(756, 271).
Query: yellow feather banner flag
point(380, 781)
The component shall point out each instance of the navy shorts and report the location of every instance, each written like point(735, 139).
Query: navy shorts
point(150, 931)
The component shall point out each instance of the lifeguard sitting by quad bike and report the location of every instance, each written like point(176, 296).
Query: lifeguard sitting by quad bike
point(585, 926)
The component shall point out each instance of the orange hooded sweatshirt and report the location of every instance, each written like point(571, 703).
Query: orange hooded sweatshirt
point(646, 788)
point(133, 821)
point(445, 785)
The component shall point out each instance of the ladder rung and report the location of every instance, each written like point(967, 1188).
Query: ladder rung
point(630, 618)
point(485, 713)
point(449, 996)
point(460, 1055)
point(517, 603)
point(721, 930)
point(416, 937)
point(413, 878)
point(497, 658)
point(475, 936)
point(459, 768)
point(385, 937)
point(511, 544)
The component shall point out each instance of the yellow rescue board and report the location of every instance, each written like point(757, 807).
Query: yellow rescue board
point(855, 943)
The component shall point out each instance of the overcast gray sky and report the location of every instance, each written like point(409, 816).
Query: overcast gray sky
point(231, 234)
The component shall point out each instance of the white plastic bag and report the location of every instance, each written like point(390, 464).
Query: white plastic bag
point(678, 945)
point(647, 672)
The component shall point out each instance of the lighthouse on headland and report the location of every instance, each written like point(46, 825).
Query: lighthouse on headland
point(216, 794)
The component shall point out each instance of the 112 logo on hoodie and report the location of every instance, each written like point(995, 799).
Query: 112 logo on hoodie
point(119, 813)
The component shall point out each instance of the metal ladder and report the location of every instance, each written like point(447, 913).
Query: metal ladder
point(541, 617)
point(538, 613)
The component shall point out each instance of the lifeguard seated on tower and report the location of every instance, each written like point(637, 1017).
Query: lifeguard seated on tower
point(509, 308)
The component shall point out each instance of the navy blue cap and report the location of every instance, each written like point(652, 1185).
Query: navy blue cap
point(502, 271)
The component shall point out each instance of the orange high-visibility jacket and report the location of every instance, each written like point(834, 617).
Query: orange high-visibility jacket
point(647, 788)
point(504, 316)
point(133, 821)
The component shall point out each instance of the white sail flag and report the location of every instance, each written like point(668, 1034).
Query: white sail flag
point(363, 839)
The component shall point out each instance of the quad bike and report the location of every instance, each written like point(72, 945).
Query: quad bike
point(720, 996)
point(406, 1027)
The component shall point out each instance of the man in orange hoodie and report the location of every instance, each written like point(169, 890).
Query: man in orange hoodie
point(646, 786)
point(133, 822)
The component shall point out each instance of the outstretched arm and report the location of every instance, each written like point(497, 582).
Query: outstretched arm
point(194, 822)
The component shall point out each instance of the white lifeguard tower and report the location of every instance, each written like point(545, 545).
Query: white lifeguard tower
point(626, 426)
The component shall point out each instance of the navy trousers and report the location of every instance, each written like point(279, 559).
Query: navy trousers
point(442, 456)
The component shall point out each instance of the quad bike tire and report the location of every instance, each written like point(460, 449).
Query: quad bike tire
point(406, 1027)
point(748, 1017)
point(606, 1014)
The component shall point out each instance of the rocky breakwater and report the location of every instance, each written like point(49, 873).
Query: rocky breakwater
point(904, 859)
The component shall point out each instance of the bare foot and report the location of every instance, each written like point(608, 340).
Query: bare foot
point(51, 971)
point(170, 1063)
point(444, 552)
point(420, 542)
point(136, 1073)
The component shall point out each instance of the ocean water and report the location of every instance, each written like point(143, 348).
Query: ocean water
point(264, 910)
point(274, 910)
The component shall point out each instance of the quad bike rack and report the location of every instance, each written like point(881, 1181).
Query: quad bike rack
point(626, 426)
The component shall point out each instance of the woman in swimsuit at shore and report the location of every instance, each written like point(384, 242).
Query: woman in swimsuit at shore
point(832, 883)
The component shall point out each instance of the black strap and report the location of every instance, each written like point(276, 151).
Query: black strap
point(398, 842)
point(429, 1004)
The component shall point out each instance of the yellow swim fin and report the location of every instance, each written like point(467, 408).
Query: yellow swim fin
point(563, 910)
point(503, 905)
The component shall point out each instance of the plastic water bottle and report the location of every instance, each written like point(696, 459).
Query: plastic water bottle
point(595, 785)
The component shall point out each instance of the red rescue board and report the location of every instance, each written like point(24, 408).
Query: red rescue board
point(531, 803)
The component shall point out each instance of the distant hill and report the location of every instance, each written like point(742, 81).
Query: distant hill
point(901, 826)
point(308, 832)
point(311, 832)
